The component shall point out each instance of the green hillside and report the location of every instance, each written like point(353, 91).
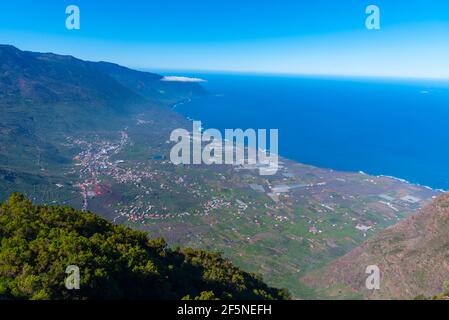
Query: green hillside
point(37, 243)
point(45, 98)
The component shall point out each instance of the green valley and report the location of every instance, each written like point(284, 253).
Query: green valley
point(95, 136)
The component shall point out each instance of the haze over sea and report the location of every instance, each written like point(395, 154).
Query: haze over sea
point(388, 127)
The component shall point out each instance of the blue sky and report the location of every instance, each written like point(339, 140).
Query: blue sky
point(288, 36)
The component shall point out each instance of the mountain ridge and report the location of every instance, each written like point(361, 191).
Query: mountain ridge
point(49, 78)
point(44, 78)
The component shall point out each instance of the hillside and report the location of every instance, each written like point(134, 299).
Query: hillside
point(45, 97)
point(42, 78)
point(41, 93)
point(150, 85)
point(413, 257)
point(38, 78)
point(39, 242)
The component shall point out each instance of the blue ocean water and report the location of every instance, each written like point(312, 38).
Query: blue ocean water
point(382, 127)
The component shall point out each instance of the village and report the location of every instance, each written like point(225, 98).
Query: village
point(102, 170)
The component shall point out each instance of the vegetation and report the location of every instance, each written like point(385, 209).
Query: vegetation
point(38, 243)
point(442, 296)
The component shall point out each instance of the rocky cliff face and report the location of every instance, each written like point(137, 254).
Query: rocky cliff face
point(413, 258)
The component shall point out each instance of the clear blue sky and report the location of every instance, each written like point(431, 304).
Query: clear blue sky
point(283, 36)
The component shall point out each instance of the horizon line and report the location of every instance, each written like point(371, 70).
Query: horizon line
point(252, 72)
point(292, 74)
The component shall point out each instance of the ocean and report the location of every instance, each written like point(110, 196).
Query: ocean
point(391, 127)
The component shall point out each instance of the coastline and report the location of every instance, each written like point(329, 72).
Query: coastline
point(412, 183)
point(188, 100)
